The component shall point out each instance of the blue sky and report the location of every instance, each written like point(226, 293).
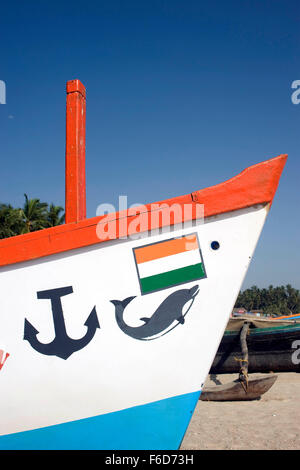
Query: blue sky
point(181, 95)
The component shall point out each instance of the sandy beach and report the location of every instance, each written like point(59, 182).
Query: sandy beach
point(271, 423)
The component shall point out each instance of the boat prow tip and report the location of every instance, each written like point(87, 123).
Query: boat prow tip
point(280, 160)
point(275, 169)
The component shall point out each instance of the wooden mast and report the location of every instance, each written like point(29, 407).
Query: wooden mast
point(75, 192)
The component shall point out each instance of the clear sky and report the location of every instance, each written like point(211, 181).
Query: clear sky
point(181, 95)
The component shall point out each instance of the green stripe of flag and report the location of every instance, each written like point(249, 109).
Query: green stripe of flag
point(172, 278)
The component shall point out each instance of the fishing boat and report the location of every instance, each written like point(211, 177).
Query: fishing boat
point(273, 346)
point(234, 391)
point(288, 317)
point(111, 327)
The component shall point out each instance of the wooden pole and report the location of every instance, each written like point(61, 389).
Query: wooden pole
point(75, 192)
point(243, 375)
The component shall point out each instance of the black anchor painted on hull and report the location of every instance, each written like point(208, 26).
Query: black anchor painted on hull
point(62, 345)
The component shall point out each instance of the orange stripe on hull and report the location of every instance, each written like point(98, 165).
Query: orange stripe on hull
point(255, 185)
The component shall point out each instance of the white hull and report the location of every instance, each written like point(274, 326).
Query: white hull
point(115, 371)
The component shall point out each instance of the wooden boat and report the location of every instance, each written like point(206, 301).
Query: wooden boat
point(273, 345)
point(288, 317)
point(105, 321)
point(234, 391)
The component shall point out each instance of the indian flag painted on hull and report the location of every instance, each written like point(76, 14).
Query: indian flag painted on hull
point(169, 263)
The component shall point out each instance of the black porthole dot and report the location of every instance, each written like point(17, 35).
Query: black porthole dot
point(215, 245)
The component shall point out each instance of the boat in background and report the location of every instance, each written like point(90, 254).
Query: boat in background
point(273, 346)
point(288, 317)
point(104, 334)
point(235, 391)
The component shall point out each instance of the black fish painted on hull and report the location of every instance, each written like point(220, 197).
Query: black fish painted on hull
point(170, 310)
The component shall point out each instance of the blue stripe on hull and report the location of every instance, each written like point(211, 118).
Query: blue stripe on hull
point(158, 425)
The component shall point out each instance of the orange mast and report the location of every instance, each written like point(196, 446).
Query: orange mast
point(75, 192)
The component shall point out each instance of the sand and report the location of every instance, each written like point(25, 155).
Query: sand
point(271, 423)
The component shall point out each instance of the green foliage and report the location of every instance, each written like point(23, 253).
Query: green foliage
point(282, 300)
point(34, 215)
point(54, 217)
point(11, 221)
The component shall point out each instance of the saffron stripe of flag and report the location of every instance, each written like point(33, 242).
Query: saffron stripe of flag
point(166, 248)
point(169, 263)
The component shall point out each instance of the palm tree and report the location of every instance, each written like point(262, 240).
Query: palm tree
point(281, 300)
point(54, 217)
point(11, 222)
point(35, 215)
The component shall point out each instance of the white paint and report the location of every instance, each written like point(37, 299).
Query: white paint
point(167, 263)
point(115, 371)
